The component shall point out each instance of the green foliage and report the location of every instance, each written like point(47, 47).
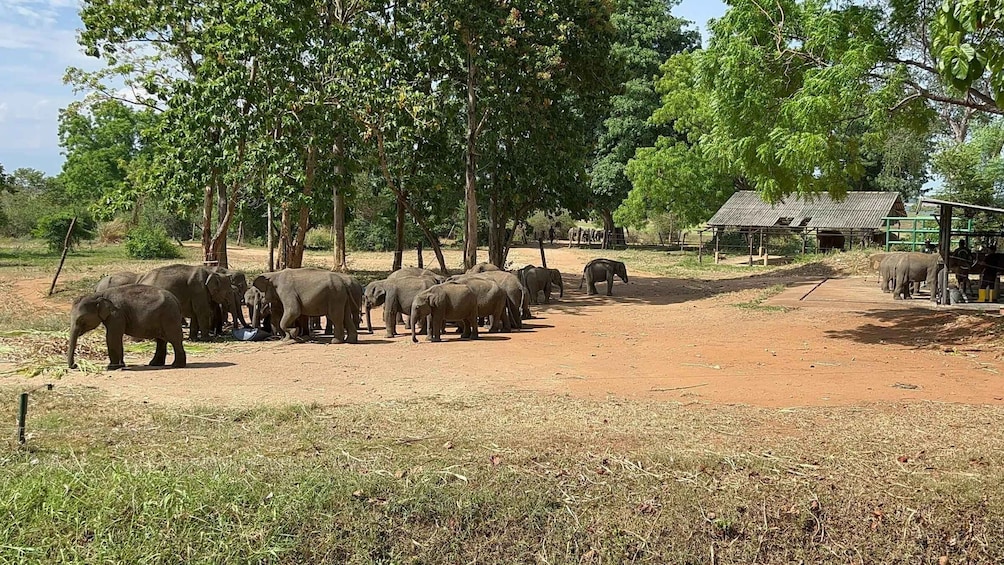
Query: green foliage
point(53, 229)
point(150, 242)
point(967, 43)
point(6, 181)
point(32, 195)
point(319, 239)
point(973, 171)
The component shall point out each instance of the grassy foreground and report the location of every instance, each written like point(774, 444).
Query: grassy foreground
point(500, 479)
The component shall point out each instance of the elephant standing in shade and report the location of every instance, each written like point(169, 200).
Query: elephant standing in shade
point(416, 272)
point(539, 279)
point(140, 311)
point(492, 300)
point(396, 296)
point(356, 295)
point(916, 268)
point(482, 268)
point(517, 298)
point(310, 292)
point(238, 287)
point(117, 279)
point(598, 270)
point(445, 303)
point(196, 289)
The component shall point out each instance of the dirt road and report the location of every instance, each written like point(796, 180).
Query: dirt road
point(657, 338)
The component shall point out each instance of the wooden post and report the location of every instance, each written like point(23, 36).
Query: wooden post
point(421, 260)
point(700, 247)
point(22, 415)
point(765, 245)
point(579, 242)
point(66, 248)
point(751, 247)
point(945, 245)
point(271, 244)
point(718, 246)
point(543, 260)
point(804, 236)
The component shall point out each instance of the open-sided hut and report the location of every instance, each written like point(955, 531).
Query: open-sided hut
point(834, 223)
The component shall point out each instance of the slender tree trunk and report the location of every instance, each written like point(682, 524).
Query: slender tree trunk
point(285, 227)
point(271, 241)
point(303, 221)
point(223, 215)
point(470, 186)
point(398, 236)
point(496, 236)
point(338, 225)
point(207, 219)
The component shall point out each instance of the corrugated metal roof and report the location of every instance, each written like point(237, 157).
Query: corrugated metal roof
point(859, 210)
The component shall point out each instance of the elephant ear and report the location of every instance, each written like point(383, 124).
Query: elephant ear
point(262, 283)
point(106, 309)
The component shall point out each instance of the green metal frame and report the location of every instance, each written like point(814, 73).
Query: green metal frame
point(919, 229)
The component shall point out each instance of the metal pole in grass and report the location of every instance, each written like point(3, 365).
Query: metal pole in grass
point(22, 414)
point(66, 248)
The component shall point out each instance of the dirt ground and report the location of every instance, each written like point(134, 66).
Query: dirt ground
point(820, 342)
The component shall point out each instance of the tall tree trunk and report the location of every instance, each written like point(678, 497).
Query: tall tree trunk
point(303, 221)
point(207, 219)
point(223, 215)
point(398, 236)
point(285, 227)
point(270, 239)
point(608, 227)
point(470, 186)
point(338, 224)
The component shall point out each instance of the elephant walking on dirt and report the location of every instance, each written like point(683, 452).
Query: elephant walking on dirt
point(445, 303)
point(197, 289)
point(396, 296)
point(539, 279)
point(916, 268)
point(139, 311)
point(599, 270)
point(492, 300)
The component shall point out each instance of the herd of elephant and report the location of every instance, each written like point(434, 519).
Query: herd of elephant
point(588, 236)
point(290, 303)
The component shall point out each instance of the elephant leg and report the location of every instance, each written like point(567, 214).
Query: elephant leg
point(351, 331)
point(472, 323)
point(116, 350)
point(288, 323)
point(390, 318)
point(547, 293)
point(180, 359)
point(160, 354)
point(436, 326)
point(590, 284)
point(610, 283)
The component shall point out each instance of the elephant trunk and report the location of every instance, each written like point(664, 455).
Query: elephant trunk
point(414, 323)
point(236, 312)
point(72, 347)
point(369, 319)
point(255, 308)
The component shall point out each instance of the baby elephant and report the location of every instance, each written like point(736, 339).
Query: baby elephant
point(136, 310)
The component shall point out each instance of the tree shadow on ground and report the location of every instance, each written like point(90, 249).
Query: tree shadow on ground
point(662, 290)
point(197, 365)
point(917, 328)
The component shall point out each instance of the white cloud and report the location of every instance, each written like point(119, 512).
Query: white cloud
point(3, 112)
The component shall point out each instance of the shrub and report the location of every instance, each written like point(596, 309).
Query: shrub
point(318, 239)
point(150, 242)
point(53, 227)
point(114, 231)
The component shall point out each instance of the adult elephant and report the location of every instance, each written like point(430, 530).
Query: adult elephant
point(117, 279)
point(492, 300)
point(482, 268)
point(573, 233)
point(356, 295)
point(238, 288)
point(445, 303)
point(517, 298)
point(887, 270)
point(915, 268)
point(310, 292)
point(139, 311)
point(416, 272)
point(540, 279)
point(396, 296)
point(599, 270)
point(196, 289)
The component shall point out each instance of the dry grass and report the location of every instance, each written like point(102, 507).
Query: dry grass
point(508, 478)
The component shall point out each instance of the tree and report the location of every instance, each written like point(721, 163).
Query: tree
point(973, 172)
point(967, 43)
point(102, 143)
point(6, 181)
point(647, 35)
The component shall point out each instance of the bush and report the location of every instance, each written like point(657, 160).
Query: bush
point(114, 231)
point(150, 242)
point(318, 239)
point(363, 235)
point(53, 227)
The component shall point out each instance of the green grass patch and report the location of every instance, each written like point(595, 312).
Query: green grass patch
point(499, 479)
point(757, 304)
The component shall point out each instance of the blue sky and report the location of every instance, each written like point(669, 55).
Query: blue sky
point(38, 43)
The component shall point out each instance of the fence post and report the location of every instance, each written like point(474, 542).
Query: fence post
point(22, 415)
point(66, 248)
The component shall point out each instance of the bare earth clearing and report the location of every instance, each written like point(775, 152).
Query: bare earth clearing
point(658, 339)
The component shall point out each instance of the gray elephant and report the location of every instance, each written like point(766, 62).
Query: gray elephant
point(445, 303)
point(117, 279)
point(310, 292)
point(416, 272)
point(140, 311)
point(887, 270)
point(518, 299)
point(396, 296)
point(356, 294)
point(599, 270)
point(196, 289)
point(259, 310)
point(573, 233)
point(540, 279)
point(492, 300)
point(481, 268)
point(238, 287)
point(916, 268)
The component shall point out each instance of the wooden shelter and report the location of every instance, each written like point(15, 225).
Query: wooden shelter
point(859, 214)
point(946, 211)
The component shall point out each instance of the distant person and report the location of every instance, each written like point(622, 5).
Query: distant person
point(992, 264)
point(962, 260)
point(929, 247)
point(550, 234)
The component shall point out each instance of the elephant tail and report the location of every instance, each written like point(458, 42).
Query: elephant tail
point(582, 279)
